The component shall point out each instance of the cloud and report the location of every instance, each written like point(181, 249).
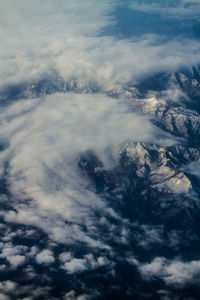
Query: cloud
point(46, 137)
point(14, 254)
point(12, 290)
point(3, 267)
point(172, 272)
point(87, 262)
point(45, 257)
point(193, 168)
point(4, 297)
point(176, 9)
point(16, 260)
point(75, 265)
point(172, 95)
point(66, 40)
point(72, 295)
point(8, 286)
point(150, 235)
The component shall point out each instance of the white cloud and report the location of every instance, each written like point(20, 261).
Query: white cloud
point(42, 39)
point(16, 260)
point(14, 254)
point(45, 257)
point(8, 286)
point(4, 297)
point(88, 262)
point(72, 295)
point(75, 265)
point(8, 251)
point(171, 271)
point(172, 95)
point(65, 256)
point(12, 290)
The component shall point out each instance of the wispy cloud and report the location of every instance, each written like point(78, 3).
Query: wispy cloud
point(175, 9)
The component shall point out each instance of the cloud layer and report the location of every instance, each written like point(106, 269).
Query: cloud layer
point(43, 40)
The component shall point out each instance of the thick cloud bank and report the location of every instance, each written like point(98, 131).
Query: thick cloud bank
point(66, 38)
